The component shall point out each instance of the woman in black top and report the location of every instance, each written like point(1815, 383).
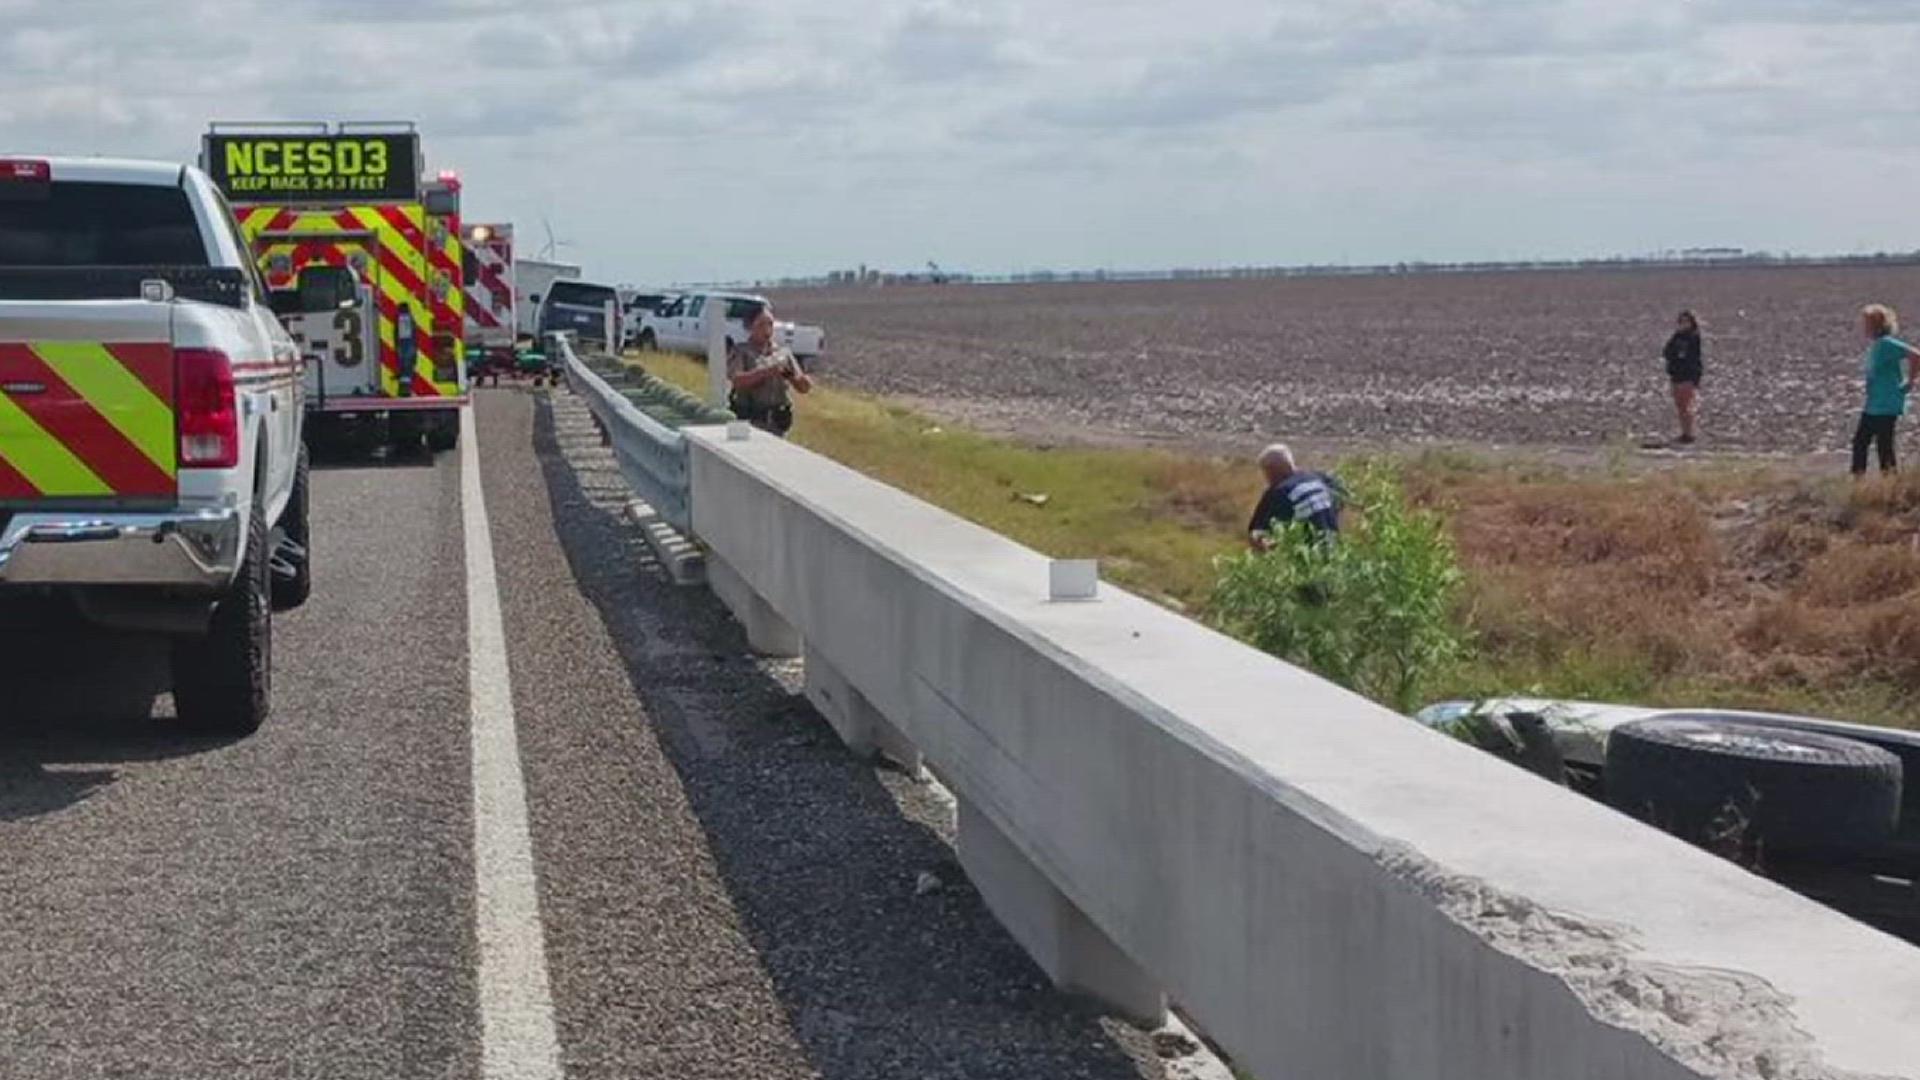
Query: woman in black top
point(1684, 370)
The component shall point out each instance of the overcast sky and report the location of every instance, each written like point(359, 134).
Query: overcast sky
point(679, 140)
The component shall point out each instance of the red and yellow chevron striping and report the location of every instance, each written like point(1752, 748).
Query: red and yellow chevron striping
point(87, 419)
point(447, 287)
point(395, 264)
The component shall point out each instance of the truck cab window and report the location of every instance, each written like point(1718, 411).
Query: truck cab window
point(101, 224)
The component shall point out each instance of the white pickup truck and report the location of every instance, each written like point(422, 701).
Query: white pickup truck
point(682, 325)
point(152, 473)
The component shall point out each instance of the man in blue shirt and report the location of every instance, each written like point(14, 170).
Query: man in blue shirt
point(1293, 496)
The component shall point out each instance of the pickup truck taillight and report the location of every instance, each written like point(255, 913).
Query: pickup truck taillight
point(208, 418)
point(25, 181)
point(18, 171)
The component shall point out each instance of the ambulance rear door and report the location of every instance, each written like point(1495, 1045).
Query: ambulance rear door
point(333, 318)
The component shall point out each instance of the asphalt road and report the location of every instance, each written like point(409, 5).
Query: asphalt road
point(722, 891)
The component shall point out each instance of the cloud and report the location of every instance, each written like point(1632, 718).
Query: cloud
point(941, 41)
point(510, 118)
point(843, 131)
point(1192, 92)
point(1818, 12)
point(1312, 53)
point(635, 41)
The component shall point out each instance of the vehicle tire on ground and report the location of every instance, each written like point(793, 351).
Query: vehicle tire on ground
point(1751, 789)
point(445, 432)
point(403, 433)
point(648, 343)
point(293, 562)
point(223, 680)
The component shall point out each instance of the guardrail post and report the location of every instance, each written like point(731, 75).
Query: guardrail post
point(717, 382)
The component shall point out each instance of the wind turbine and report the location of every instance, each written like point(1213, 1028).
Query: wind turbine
point(553, 245)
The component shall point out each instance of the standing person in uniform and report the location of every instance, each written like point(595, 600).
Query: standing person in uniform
point(1684, 368)
point(760, 374)
point(1293, 496)
point(1891, 366)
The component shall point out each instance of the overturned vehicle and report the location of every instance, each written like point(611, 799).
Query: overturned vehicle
point(1822, 807)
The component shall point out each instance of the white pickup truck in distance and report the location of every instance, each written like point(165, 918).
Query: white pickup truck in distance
point(635, 306)
point(681, 326)
point(152, 472)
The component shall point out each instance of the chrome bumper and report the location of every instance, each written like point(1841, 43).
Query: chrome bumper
point(192, 549)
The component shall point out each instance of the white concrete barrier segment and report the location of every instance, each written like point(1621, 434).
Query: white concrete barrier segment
point(1332, 891)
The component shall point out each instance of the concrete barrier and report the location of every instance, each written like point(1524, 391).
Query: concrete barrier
point(1330, 890)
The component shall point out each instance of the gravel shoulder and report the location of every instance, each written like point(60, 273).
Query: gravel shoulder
point(727, 892)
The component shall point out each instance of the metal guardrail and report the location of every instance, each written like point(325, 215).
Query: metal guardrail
point(651, 452)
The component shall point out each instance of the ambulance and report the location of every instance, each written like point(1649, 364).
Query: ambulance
point(366, 263)
point(488, 270)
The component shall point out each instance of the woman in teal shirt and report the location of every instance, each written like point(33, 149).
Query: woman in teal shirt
point(1891, 367)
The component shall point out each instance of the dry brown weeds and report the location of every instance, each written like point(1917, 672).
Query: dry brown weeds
point(1746, 583)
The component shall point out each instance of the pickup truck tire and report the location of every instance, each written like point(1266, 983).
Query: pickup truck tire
point(649, 343)
point(222, 681)
point(1762, 789)
point(292, 590)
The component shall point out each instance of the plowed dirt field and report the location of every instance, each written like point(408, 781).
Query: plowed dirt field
point(1568, 359)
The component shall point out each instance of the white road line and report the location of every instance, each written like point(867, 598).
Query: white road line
point(517, 1040)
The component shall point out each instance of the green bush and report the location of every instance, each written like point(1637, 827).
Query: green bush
point(1372, 610)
